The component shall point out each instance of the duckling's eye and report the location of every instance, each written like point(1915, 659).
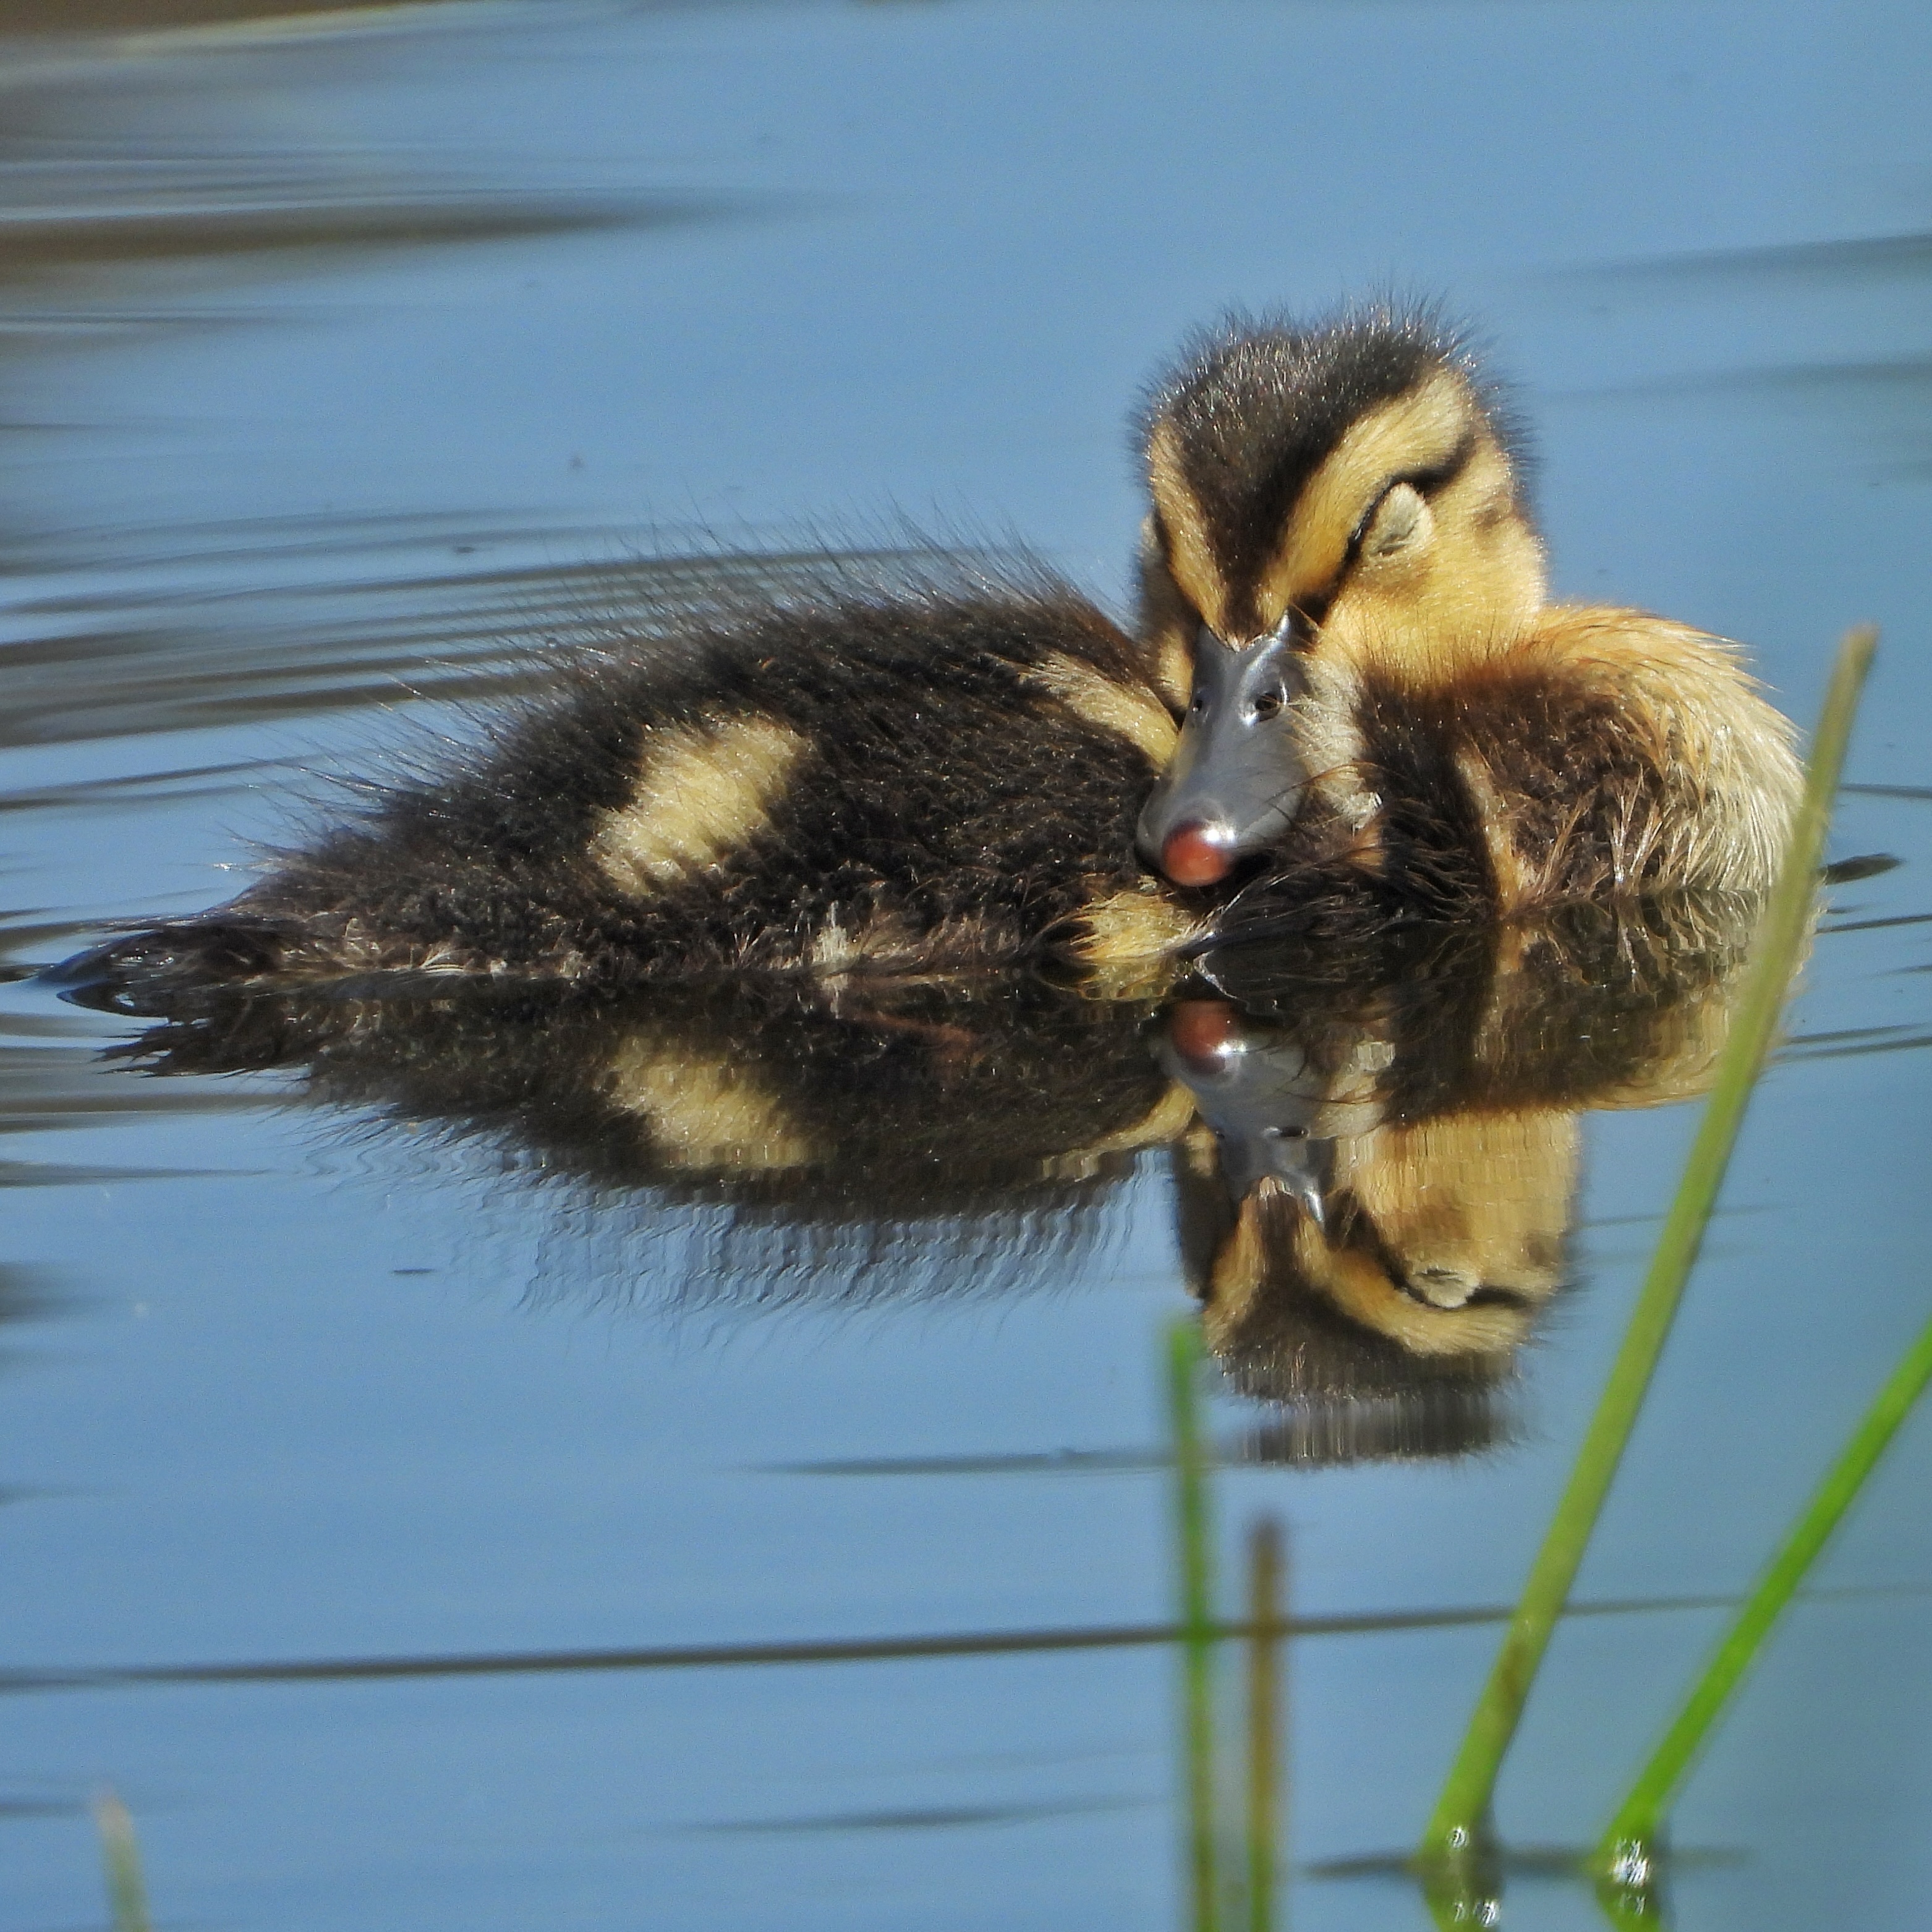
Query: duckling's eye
point(1399, 520)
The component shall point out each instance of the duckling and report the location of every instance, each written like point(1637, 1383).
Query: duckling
point(1345, 596)
point(1373, 1140)
point(857, 779)
point(1344, 593)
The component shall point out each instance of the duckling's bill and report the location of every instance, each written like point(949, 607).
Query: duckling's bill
point(1236, 779)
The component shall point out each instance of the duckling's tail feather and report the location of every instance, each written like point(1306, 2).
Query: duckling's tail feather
point(158, 970)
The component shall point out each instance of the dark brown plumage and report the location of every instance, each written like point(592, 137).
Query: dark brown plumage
point(857, 1139)
point(928, 780)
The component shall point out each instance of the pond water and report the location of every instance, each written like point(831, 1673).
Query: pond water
point(347, 358)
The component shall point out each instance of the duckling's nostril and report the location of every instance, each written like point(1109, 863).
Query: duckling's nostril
point(1198, 855)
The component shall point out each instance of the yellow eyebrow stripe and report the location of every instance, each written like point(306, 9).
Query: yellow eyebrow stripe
point(1190, 555)
point(1414, 432)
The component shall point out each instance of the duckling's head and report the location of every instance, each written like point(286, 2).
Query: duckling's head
point(1351, 492)
point(1427, 1257)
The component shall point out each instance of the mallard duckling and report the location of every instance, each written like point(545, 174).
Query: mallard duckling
point(1374, 1140)
point(910, 778)
point(1344, 591)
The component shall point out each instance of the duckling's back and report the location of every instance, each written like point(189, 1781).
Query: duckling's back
point(941, 779)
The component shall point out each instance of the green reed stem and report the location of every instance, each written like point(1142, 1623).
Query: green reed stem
point(1462, 1811)
point(1634, 1828)
point(1194, 1533)
point(127, 1896)
point(1264, 1721)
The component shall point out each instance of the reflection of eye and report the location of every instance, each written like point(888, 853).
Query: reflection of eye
point(1198, 707)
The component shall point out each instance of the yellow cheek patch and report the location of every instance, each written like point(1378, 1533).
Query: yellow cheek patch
point(1241, 1265)
point(1413, 433)
point(1137, 715)
point(1190, 555)
point(1482, 1198)
point(701, 794)
point(702, 1114)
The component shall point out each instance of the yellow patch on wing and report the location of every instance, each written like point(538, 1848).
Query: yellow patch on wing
point(1135, 714)
point(1190, 554)
point(1412, 432)
point(703, 1115)
point(700, 794)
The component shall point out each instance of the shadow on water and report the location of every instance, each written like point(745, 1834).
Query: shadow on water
point(1834, 261)
point(1885, 401)
point(68, 17)
point(51, 1084)
point(139, 173)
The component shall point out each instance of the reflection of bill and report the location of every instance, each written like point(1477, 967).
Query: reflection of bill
point(1375, 1144)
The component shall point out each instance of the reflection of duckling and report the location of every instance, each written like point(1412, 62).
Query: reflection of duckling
point(1374, 1139)
point(1342, 581)
point(1375, 1208)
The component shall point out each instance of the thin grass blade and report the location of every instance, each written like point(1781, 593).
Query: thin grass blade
point(1195, 1552)
point(1265, 1620)
point(1625, 1855)
point(1460, 1818)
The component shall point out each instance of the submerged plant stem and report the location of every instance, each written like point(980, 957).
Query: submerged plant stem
point(1635, 1826)
point(1196, 1553)
point(1462, 1812)
point(1264, 1675)
point(127, 1896)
